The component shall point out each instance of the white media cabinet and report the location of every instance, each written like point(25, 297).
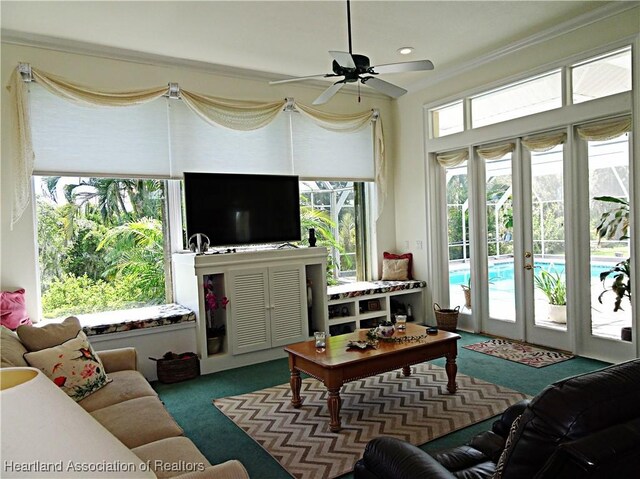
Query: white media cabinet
point(268, 301)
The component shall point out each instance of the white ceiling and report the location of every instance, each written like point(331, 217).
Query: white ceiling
point(292, 38)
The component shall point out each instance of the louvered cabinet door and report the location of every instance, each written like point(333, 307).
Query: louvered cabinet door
point(287, 288)
point(249, 305)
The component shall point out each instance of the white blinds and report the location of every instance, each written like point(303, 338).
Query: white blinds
point(163, 139)
point(319, 153)
point(200, 146)
point(99, 141)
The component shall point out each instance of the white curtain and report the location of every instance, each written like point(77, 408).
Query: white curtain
point(232, 114)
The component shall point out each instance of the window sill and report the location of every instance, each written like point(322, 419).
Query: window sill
point(364, 288)
point(109, 322)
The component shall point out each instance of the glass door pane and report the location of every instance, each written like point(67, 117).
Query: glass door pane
point(609, 181)
point(499, 228)
point(548, 238)
point(457, 190)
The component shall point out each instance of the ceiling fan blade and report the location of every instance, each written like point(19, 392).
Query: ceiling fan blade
point(289, 80)
point(344, 59)
point(384, 87)
point(416, 66)
point(328, 93)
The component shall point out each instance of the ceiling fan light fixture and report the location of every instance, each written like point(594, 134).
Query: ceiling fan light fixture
point(356, 68)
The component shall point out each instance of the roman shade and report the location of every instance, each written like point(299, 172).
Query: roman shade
point(319, 153)
point(73, 129)
point(74, 139)
point(199, 146)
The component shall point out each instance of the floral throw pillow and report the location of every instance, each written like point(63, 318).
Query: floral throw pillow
point(73, 366)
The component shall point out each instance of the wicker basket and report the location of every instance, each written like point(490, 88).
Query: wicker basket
point(446, 319)
point(173, 368)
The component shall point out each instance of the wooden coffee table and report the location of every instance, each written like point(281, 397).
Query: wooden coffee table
point(337, 365)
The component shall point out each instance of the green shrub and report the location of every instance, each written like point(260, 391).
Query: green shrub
point(80, 295)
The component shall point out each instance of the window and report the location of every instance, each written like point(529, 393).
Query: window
point(331, 207)
point(520, 99)
point(447, 120)
point(100, 243)
point(602, 76)
point(458, 234)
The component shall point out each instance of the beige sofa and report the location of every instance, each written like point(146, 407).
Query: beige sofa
point(129, 408)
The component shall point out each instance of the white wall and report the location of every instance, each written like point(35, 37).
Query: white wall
point(409, 167)
point(18, 253)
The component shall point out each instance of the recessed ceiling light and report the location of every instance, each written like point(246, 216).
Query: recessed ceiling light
point(405, 50)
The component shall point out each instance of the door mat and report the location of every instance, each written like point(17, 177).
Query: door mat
point(416, 409)
point(519, 352)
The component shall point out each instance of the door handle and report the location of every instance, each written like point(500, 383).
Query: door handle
point(528, 266)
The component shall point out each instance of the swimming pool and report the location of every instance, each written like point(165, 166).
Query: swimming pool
point(501, 274)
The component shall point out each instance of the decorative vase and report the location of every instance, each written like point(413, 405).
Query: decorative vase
point(386, 329)
point(558, 313)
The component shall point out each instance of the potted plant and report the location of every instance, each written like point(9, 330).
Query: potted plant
point(466, 289)
point(215, 332)
point(555, 289)
point(614, 223)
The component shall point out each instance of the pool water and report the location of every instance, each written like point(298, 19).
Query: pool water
point(501, 274)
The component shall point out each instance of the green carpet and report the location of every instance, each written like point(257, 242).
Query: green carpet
point(219, 439)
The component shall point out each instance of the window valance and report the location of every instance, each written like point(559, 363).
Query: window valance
point(236, 115)
point(495, 152)
point(452, 159)
point(544, 142)
point(605, 130)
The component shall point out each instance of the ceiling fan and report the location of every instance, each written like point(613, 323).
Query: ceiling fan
point(354, 68)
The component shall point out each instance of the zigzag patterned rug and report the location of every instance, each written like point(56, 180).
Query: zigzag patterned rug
point(519, 352)
point(416, 409)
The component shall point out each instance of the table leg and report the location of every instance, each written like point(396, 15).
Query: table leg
point(406, 370)
point(333, 402)
point(296, 383)
point(452, 368)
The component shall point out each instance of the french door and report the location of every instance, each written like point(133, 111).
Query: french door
point(516, 232)
point(523, 241)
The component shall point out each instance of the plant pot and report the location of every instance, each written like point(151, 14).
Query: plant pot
point(626, 334)
point(467, 297)
point(558, 313)
point(214, 345)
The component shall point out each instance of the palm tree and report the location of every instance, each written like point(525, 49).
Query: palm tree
point(116, 199)
point(136, 255)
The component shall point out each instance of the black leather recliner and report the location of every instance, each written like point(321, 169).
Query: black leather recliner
point(587, 426)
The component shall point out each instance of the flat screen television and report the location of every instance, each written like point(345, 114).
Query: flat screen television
point(241, 209)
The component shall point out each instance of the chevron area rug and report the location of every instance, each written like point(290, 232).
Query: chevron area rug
point(416, 408)
point(519, 352)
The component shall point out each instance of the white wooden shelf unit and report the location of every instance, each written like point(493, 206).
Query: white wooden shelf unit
point(268, 301)
point(351, 307)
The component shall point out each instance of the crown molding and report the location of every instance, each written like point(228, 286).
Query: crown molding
point(14, 37)
point(594, 16)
